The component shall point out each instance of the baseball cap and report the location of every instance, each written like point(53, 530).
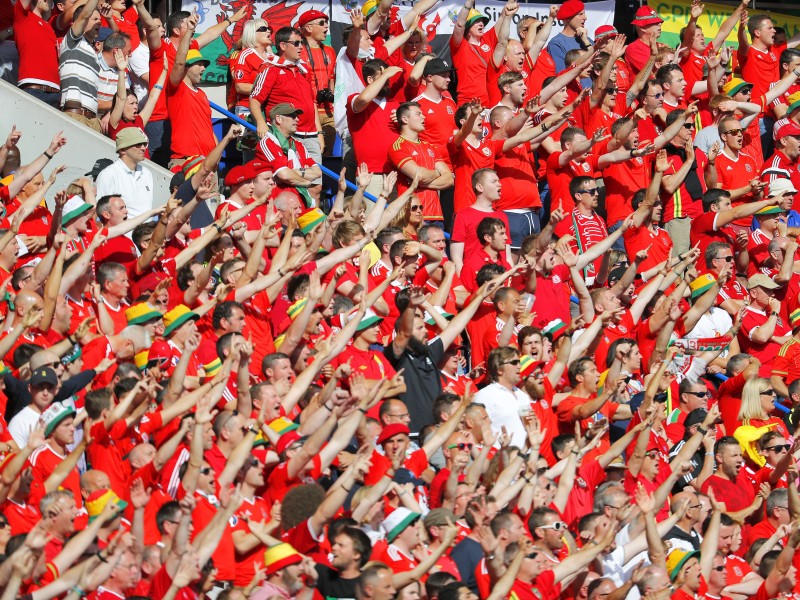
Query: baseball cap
point(437, 66)
point(761, 280)
point(44, 375)
point(284, 109)
point(789, 129)
point(99, 165)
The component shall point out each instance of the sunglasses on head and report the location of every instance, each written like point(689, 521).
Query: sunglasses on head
point(461, 446)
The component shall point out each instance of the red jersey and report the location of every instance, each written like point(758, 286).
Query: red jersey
point(169, 48)
point(439, 121)
point(280, 81)
point(520, 188)
point(734, 173)
point(787, 363)
point(425, 156)
point(466, 160)
point(465, 228)
point(373, 133)
point(190, 115)
point(37, 47)
point(778, 166)
point(473, 59)
point(760, 67)
point(622, 181)
point(765, 352)
point(639, 238)
point(248, 64)
point(558, 178)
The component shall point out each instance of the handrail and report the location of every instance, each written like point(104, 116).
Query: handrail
point(251, 127)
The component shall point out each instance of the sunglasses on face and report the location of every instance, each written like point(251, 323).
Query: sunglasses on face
point(719, 568)
point(688, 125)
point(514, 362)
point(461, 446)
point(656, 96)
point(733, 132)
point(591, 192)
point(205, 471)
point(699, 394)
point(295, 43)
point(558, 526)
point(263, 29)
point(416, 208)
point(769, 392)
point(532, 555)
point(779, 448)
point(725, 258)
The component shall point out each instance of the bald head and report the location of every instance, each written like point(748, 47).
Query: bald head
point(25, 299)
point(44, 357)
point(93, 480)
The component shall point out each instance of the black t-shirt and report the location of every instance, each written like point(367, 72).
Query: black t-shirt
point(423, 382)
point(334, 587)
point(467, 555)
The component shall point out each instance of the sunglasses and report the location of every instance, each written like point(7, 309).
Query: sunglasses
point(779, 448)
point(688, 125)
point(558, 526)
point(733, 132)
point(719, 568)
point(768, 392)
point(461, 446)
point(295, 43)
point(416, 208)
point(3, 524)
point(592, 192)
point(653, 454)
point(699, 394)
point(206, 471)
point(532, 555)
point(263, 29)
point(725, 258)
point(656, 96)
point(512, 362)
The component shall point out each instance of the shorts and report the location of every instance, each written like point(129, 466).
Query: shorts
point(521, 224)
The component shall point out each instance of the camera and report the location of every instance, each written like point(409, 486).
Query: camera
point(324, 96)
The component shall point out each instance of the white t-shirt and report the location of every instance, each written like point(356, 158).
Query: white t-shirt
point(503, 407)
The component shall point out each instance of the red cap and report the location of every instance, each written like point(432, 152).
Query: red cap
point(160, 350)
point(239, 174)
point(646, 16)
point(286, 440)
point(259, 166)
point(311, 15)
point(392, 430)
point(789, 129)
point(569, 9)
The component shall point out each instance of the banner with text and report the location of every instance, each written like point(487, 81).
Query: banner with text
point(437, 23)
point(676, 15)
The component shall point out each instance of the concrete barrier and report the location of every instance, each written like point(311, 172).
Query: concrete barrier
point(40, 122)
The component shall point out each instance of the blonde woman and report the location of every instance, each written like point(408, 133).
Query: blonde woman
point(256, 42)
point(758, 403)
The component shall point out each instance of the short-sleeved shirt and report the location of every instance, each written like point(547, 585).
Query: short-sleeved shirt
point(558, 178)
point(372, 133)
point(735, 173)
point(622, 181)
point(439, 121)
point(465, 228)
point(37, 47)
point(787, 363)
point(248, 65)
point(765, 352)
point(466, 160)
point(79, 70)
point(422, 380)
point(190, 114)
point(760, 67)
point(639, 238)
point(680, 203)
point(425, 156)
point(473, 59)
point(738, 494)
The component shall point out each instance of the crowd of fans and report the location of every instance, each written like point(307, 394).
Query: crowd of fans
point(549, 347)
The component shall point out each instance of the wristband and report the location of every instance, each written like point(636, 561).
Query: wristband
point(75, 589)
point(71, 340)
point(158, 86)
point(49, 156)
point(226, 19)
point(217, 227)
point(102, 559)
point(326, 407)
point(709, 454)
point(280, 272)
point(362, 411)
point(773, 314)
point(702, 430)
point(544, 126)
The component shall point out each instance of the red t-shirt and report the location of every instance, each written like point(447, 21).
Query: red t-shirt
point(425, 156)
point(439, 121)
point(738, 494)
point(761, 68)
point(278, 83)
point(639, 238)
point(737, 173)
point(765, 352)
point(473, 59)
point(248, 65)
point(787, 363)
point(622, 181)
point(373, 133)
point(190, 115)
point(559, 177)
point(704, 231)
point(157, 65)
point(37, 47)
point(466, 160)
point(515, 170)
point(680, 203)
point(465, 228)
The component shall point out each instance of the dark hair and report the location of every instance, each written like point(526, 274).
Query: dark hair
point(577, 368)
point(108, 271)
point(373, 68)
point(438, 581)
point(477, 177)
point(675, 115)
point(282, 36)
point(664, 74)
point(175, 20)
point(726, 440)
point(168, 512)
point(713, 197)
point(103, 204)
point(140, 232)
point(403, 110)
point(577, 183)
point(116, 41)
point(487, 273)
point(489, 226)
point(224, 311)
point(96, 401)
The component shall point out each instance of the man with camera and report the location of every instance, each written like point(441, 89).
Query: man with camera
point(321, 60)
point(285, 79)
